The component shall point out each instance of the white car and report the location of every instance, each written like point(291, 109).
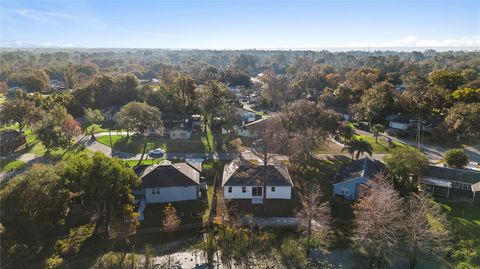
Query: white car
point(156, 153)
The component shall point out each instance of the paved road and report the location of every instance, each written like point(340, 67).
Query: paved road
point(433, 152)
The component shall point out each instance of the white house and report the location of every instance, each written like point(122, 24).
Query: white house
point(180, 131)
point(166, 183)
point(245, 180)
point(349, 178)
point(402, 124)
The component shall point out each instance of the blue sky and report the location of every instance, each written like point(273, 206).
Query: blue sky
point(240, 24)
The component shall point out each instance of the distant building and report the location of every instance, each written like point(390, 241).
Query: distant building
point(181, 131)
point(245, 180)
point(109, 113)
point(349, 178)
point(57, 85)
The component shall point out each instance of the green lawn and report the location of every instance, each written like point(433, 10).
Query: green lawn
point(10, 165)
point(148, 162)
point(134, 144)
point(382, 145)
point(465, 221)
point(104, 127)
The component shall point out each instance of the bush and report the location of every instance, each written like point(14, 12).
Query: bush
point(361, 125)
point(456, 158)
point(294, 252)
point(74, 241)
point(54, 262)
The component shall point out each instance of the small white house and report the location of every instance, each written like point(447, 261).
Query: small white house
point(402, 124)
point(167, 183)
point(349, 178)
point(244, 180)
point(181, 131)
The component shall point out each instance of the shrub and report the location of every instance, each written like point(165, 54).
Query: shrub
point(456, 158)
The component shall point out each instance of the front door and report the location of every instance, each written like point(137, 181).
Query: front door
point(257, 191)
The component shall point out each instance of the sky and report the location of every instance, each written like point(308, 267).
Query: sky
point(239, 24)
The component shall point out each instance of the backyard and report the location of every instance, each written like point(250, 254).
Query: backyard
point(465, 226)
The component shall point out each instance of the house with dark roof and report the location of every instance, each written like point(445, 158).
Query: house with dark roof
point(350, 177)
point(248, 130)
point(245, 180)
point(170, 182)
point(445, 181)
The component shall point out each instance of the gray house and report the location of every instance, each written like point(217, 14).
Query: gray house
point(166, 183)
point(349, 178)
point(444, 181)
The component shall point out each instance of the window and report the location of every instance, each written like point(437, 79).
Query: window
point(273, 189)
point(155, 191)
point(464, 186)
point(244, 189)
point(229, 189)
point(257, 191)
point(345, 192)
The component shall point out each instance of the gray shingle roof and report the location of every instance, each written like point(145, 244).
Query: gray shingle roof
point(451, 174)
point(364, 167)
point(169, 175)
point(237, 173)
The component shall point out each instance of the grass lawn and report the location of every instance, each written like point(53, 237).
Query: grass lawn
point(382, 145)
point(104, 127)
point(465, 221)
point(208, 141)
point(3, 98)
point(10, 165)
point(134, 144)
point(148, 162)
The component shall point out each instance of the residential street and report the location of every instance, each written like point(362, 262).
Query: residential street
point(433, 152)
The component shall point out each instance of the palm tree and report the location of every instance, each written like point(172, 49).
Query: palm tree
point(377, 129)
point(359, 146)
point(349, 147)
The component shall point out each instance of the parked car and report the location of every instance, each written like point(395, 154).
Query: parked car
point(156, 153)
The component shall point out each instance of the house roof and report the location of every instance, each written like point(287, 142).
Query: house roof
point(238, 173)
point(195, 165)
point(240, 111)
point(169, 175)
point(364, 167)
point(451, 174)
point(182, 126)
point(262, 120)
